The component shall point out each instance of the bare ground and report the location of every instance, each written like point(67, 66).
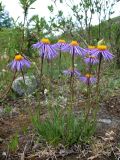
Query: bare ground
point(106, 144)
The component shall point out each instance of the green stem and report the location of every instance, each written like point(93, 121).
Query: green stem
point(89, 87)
point(72, 78)
point(9, 87)
point(60, 62)
point(23, 75)
point(41, 69)
point(98, 74)
point(88, 106)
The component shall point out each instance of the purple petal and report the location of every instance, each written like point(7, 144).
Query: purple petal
point(13, 65)
point(18, 65)
point(37, 45)
point(66, 48)
point(26, 63)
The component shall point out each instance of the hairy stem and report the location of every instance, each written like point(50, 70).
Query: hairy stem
point(98, 74)
point(60, 62)
point(72, 77)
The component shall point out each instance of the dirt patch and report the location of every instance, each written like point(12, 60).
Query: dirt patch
point(113, 106)
point(29, 144)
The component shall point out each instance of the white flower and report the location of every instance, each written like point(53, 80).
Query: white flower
point(34, 63)
point(75, 65)
point(3, 70)
point(45, 91)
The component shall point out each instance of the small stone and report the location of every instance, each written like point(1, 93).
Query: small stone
point(37, 146)
point(1, 140)
point(1, 111)
point(108, 134)
point(107, 121)
point(15, 111)
point(4, 154)
point(111, 106)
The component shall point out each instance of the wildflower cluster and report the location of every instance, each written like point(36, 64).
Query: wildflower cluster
point(91, 55)
point(78, 129)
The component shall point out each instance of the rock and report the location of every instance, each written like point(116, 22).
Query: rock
point(1, 111)
point(29, 87)
point(106, 121)
point(14, 112)
point(1, 140)
point(37, 146)
point(4, 154)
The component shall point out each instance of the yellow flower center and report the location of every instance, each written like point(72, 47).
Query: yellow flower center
point(91, 47)
point(70, 69)
point(74, 43)
point(45, 40)
point(18, 57)
point(61, 41)
point(102, 47)
point(88, 75)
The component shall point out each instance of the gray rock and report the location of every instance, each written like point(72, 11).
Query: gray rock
point(22, 88)
point(1, 140)
point(106, 121)
point(1, 111)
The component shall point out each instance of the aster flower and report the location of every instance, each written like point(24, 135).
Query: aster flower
point(19, 63)
point(88, 79)
point(58, 46)
point(103, 51)
point(90, 48)
point(74, 48)
point(71, 72)
point(46, 50)
point(61, 43)
point(91, 60)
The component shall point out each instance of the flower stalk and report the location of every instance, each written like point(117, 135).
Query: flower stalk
point(98, 74)
point(60, 61)
point(9, 88)
point(72, 78)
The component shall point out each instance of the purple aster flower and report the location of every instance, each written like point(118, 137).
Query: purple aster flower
point(90, 49)
point(71, 72)
point(60, 44)
point(46, 50)
point(88, 79)
point(102, 50)
point(73, 48)
point(19, 63)
point(91, 60)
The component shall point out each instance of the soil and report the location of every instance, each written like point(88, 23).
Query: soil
point(19, 122)
point(113, 106)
